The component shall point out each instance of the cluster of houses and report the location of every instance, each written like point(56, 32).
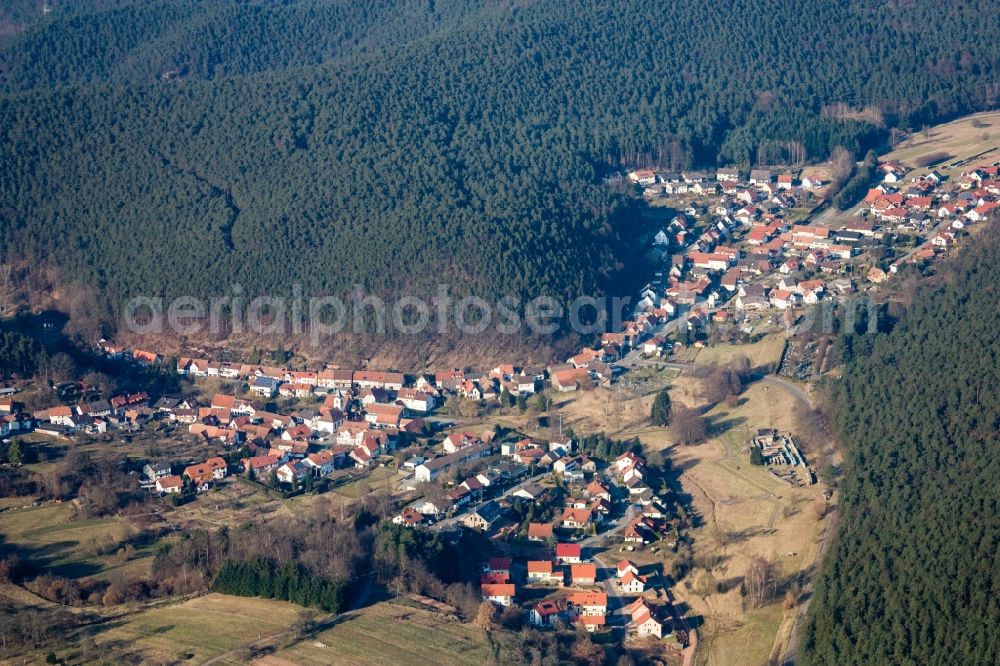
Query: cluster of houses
point(419, 394)
point(201, 476)
point(586, 607)
point(129, 410)
point(580, 603)
point(937, 209)
point(13, 419)
point(737, 253)
point(591, 499)
point(657, 184)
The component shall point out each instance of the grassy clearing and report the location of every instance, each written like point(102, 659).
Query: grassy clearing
point(230, 504)
point(48, 535)
point(741, 641)
point(203, 628)
point(960, 139)
point(765, 351)
point(743, 512)
point(614, 412)
point(391, 633)
point(379, 479)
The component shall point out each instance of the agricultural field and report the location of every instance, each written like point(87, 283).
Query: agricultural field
point(390, 633)
point(976, 136)
point(198, 629)
point(50, 536)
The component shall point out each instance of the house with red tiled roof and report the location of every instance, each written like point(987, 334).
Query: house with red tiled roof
point(576, 519)
point(570, 379)
point(169, 484)
point(459, 440)
point(301, 431)
point(543, 571)
point(212, 469)
point(647, 625)
point(626, 566)
point(372, 379)
point(632, 583)
point(295, 390)
point(588, 603)
point(583, 574)
point(539, 531)
point(501, 593)
point(568, 553)
point(384, 416)
point(408, 517)
point(876, 275)
point(262, 465)
point(322, 463)
point(146, 357)
point(546, 612)
point(591, 622)
point(783, 299)
point(335, 378)
point(293, 471)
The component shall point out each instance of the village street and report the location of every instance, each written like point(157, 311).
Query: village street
point(607, 568)
point(448, 523)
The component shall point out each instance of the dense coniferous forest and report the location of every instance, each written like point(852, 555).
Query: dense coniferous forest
point(396, 145)
point(20, 355)
point(914, 576)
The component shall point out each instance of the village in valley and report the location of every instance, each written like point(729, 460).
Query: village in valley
point(592, 522)
point(745, 244)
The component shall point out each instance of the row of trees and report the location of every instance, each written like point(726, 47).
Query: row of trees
point(857, 186)
point(289, 582)
point(606, 448)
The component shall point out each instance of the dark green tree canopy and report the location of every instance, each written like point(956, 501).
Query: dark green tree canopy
point(181, 148)
point(660, 411)
point(914, 573)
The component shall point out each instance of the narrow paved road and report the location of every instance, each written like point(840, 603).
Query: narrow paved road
point(448, 522)
point(789, 386)
point(607, 571)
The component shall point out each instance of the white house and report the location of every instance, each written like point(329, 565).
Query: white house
point(293, 471)
point(632, 584)
point(320, 464)
point(169, 484)
point(647, 625)
point(498, 593)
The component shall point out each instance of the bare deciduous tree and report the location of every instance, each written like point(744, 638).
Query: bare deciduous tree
point(688, 427)
point(759, 581)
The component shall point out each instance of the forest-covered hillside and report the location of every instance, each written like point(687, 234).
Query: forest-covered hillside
point(914, 575)
point(399, 144)
point(126, 41)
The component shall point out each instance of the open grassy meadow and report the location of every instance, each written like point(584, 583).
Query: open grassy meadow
point(764, 352)
point(742, 512)
point(960, 139)
point(197, 630)
point(49, 535)
point(389, 634)
point(379, 479)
